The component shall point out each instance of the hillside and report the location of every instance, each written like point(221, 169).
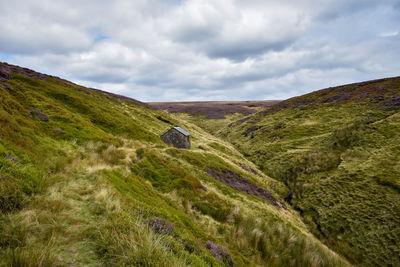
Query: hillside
point(212, 115)
point(86, 181)
point(338, 152)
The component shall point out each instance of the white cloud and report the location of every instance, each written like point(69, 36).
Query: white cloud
point(389, 34)
point(204, 50)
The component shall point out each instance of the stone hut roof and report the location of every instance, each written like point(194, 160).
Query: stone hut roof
point(179, 129)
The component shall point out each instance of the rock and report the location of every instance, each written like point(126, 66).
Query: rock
point(58, 130)
point(164, 120)
point(13, 159)
point(4, 76)
point(38, 114)
point(6, 86)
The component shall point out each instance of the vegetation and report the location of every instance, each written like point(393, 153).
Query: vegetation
point(337, 152)
point(89, 183)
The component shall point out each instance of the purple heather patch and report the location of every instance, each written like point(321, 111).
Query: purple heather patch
point(161, 226)
point(382, 91)
point(6, 69)
point(236, 181)
point(220, 253)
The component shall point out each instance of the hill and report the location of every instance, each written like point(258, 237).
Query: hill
point(337, 150)
point(213, 109)
point(212, 115)
point(85, 180)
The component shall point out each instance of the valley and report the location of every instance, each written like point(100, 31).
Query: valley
point(337, 152)
point(85, 179)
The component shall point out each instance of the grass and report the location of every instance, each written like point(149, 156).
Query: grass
point(338, 156)
point(91, 181)
point(17, 183)
point(276, 244)
point(163, 173)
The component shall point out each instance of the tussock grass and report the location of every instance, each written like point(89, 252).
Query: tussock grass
point(113, 155)
point(30, 257)
point(94, 176)
point(277, 244)
point(341, 171)
point(126, 241)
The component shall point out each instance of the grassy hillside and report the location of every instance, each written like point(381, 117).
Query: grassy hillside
point(338, 152)
point(86, 181)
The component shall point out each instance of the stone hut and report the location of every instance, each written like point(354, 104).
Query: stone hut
point(178, 137)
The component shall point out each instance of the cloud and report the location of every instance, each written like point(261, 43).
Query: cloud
point(33, 27)
point(233, 30)
point(175, 50)
point(389, 34)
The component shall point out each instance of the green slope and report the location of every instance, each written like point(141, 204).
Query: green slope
point(86, 181)
point(338, 151)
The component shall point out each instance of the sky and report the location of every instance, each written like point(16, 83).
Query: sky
point(187, 50)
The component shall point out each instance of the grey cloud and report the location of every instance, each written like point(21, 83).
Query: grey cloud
point(199, 34)
point(103, 77)
point(205, 50)
point(242, 50)
point(35, 41)
point(339, 8)
point(236, 33)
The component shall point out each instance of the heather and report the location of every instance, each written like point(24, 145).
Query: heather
point(337, 152)
point(85, 180)
point(213, 110)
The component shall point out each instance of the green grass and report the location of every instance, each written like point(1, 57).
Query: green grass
point(17, 183)
point(277, 244)
point(163, 173)
point(89, 182)
point(341, 161)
